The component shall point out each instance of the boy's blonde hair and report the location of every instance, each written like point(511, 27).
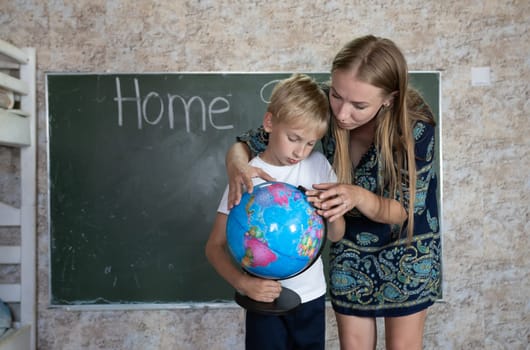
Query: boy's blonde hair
point(299, 100)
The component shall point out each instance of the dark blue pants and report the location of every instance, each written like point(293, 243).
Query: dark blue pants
point(302, 328)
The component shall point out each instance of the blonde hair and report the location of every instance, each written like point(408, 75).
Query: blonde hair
point(300, 100)
point(379, 62)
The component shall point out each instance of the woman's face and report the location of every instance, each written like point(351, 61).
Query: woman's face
point(354, 103)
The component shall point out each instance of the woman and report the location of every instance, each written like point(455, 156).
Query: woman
point(388, 263)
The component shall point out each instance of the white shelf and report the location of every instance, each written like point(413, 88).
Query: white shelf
point(16, 339)
point(13, 53)
point(10, 293)
point(15, 130)
point(18, 128)
point(9, 216)
point(9, 255)
point(16, 85)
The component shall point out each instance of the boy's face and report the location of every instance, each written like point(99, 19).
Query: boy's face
point(288, 144)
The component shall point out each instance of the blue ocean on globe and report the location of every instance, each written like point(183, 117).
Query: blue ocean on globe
point(274, 232)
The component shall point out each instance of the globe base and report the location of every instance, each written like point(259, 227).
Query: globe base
point(287, 301)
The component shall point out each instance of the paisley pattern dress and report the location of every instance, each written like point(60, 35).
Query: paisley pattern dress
point(373, 271)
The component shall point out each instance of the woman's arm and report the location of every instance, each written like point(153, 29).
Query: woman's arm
point(217, 254)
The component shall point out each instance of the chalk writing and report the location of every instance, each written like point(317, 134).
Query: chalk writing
point(213, 110)
point(270, 85)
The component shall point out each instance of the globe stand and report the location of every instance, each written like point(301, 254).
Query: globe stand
point(286, 301)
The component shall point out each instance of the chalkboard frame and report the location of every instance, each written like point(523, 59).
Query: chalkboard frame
point(225, 301)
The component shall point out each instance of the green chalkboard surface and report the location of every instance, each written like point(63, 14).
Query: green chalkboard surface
point(136, 171)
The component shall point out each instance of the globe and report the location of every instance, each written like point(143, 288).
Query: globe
point(274, 232)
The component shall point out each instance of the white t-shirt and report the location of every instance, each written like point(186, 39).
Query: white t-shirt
point(315, 169)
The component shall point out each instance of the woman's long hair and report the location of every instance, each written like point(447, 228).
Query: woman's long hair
point(379, 62)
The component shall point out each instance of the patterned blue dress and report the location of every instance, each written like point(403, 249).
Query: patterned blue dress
point(373, 271)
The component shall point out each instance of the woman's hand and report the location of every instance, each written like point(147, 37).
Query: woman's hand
point(333, 200)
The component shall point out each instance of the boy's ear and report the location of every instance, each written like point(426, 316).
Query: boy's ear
point(267, 122)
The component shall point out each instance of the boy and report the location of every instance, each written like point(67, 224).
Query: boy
point(296, 118)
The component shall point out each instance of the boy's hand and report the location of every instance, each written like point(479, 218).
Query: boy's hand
point(261, 289)
point(312, 195)
point(241, 177)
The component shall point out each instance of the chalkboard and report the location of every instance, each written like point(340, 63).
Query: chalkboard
point(136, 171)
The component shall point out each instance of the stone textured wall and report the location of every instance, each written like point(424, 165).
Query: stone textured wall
point(485, 143)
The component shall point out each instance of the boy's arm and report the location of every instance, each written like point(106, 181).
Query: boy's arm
point(218, 255)
point(336, 229)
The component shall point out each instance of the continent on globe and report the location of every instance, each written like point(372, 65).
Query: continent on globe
point(257, 253)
